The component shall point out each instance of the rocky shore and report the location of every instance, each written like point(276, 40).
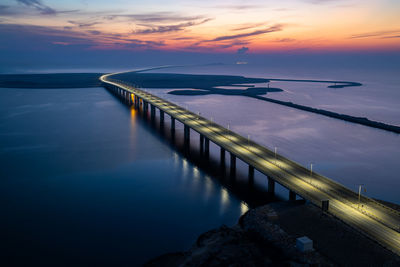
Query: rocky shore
point(266, 236)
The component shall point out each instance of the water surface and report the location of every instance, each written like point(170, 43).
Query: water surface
point(349, 153)
point(85, 181)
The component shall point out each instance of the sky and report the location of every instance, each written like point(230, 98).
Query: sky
point(177, 27)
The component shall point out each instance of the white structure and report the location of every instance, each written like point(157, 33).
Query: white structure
point(304, 244)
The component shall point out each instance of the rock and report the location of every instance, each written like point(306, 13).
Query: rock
point(255, 241)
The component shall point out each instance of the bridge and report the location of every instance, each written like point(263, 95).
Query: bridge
point(372, 218)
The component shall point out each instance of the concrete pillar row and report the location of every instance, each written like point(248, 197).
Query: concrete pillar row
point(186, 130)
point(145, 107)
point(222, 157)
point(233, 165)
point(206, 147)
point(201, 144)
point(173, 129)
point(152, 112)
point(251, 175)
point(271, 186)
point(136, 102)
point(292, 195)
point(161, 118)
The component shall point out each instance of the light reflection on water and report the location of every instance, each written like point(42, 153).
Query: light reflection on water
point(224, 200)
point(348, 153)
point(97, 182)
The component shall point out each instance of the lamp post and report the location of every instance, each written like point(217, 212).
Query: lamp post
point(275, 149)
point(359, 193)
point(311, 172)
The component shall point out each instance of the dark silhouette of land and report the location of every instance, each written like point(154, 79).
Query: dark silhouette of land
point(207, 84)
point(53, 80)
point(191, 85)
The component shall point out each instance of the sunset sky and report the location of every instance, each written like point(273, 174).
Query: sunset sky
point(253, 26)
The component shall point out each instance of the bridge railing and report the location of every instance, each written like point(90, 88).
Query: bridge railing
point(331, 187)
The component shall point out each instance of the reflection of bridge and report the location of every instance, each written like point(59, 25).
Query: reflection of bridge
point(377, 221)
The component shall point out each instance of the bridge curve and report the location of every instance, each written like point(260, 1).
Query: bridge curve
point(376, 220)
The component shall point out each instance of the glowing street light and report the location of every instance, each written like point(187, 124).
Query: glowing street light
point(359, 193)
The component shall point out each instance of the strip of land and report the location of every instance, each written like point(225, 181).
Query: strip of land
point(198, 85)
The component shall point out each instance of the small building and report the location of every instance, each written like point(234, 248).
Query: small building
point(304, 244)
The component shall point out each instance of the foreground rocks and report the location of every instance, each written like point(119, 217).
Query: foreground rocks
point(255, 241)
point(266, 236)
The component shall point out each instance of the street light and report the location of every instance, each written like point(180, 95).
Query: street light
point(359, 193)
point(275, 149)
point(311, 172)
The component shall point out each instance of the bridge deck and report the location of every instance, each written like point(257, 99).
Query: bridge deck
point(378, 221)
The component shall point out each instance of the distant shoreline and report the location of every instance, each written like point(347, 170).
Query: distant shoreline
point(344, 117)
point(202, 85)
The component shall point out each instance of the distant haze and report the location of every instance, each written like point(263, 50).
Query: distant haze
point(36, 33)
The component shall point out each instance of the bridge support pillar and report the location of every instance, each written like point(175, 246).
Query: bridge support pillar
point(173, 129)
point(233, 165)
point(292, 195)
point(161, 118)
point(145, 107)
point(136, 102)
point(152, 112)
point(201, 144)
point(206, 147)
point(271, 186)
point(251, 175)
point(222, 156)
point(186, 133)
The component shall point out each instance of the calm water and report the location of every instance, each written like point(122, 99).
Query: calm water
point(348, 153)
point(378, 98)
point(85, 181)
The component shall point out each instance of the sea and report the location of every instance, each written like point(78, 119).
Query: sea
point(84, 179)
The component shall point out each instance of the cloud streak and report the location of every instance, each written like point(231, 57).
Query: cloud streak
point(248, 26)
point(171, 28)
point(271, 29)
point(42, 8)
point(156, 17)
point(382, 34)
point(83, 24)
